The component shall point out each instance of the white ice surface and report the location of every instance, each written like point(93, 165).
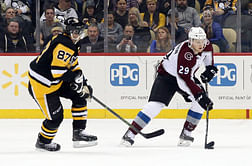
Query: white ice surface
point(232, 138)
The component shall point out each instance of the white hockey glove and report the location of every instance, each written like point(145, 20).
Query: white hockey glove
point(87, 92)
point(78, 83)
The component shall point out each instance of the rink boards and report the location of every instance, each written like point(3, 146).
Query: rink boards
point(123, 82)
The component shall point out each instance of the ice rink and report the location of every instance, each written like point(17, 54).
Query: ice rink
point(232, 138)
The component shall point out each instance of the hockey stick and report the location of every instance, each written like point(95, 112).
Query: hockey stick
point(145, 135)
point(209, 145)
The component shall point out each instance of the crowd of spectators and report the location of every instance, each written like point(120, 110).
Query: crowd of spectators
point(133, 25)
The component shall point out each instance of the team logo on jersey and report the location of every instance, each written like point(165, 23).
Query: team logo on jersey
point(226, 76)
point(124, 74)
point(188, 56)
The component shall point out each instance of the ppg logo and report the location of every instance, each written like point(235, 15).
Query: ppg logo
point(122, 74)
point(226, 76)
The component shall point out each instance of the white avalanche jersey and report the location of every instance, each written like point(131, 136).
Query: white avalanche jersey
point(182, 63)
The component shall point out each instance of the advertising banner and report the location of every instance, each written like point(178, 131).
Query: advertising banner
point(124, 82)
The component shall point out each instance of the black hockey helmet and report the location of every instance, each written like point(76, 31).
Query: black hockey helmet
point(73, 25)
point(74, 28)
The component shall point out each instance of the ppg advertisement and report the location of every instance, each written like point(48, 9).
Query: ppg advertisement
point(226, 76)
point(124, 74)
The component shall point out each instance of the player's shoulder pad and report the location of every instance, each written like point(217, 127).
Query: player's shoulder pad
point(63, 39)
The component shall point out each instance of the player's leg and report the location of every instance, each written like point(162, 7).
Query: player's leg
point(150, 110)
point(80, 137)
point(162, 92)
point(193, 117)
point(79, 114)
point(52, 109)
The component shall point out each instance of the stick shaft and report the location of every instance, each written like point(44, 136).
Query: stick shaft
point(207, 116)
point(149, 135)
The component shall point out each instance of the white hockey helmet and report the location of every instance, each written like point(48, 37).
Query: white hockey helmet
point(197, 33)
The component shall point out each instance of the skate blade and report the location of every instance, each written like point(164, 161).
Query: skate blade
point(82, 144)
point(125, 143)
point(184, 143)
point(44, 150)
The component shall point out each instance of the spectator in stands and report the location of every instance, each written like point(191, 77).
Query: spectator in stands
point(24, 24)
point(13, 40)
point(222, 9)
point(180, 33)
point(115, 31)
point(214, 31)
point(126, 43)
point(152, 16)
point(9, 13)
point(21, 7)
point(143, 36)
point(121, 14)
point(90, 16)
point(187, 16)
point(93, 42)
point(99, 5)
point(62, 10)
point(55, 30)
point(47, 25)
point(162, 42)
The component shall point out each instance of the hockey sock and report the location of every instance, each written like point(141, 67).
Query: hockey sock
point(47, 134)
point(192, 121)
point(79, 114)
point(140, 122)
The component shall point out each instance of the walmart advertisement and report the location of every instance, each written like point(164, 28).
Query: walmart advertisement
point(124, 83)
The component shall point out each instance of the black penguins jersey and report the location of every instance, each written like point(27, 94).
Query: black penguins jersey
point(58, 57)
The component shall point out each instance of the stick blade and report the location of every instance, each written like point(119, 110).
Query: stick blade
point(154, 134)
point(210, 145)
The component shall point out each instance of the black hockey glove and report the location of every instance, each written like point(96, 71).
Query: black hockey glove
point(208, 74)
point(204, 101)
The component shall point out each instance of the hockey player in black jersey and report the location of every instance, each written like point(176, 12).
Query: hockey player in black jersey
point(53, 74)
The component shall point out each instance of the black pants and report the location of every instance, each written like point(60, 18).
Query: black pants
point(164, 88)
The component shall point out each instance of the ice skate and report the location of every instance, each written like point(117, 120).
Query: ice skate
point(82, 139)
point(126, 140)
point(185, 140)
point(52, 147)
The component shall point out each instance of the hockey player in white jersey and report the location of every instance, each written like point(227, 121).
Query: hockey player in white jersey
point(176, 73)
